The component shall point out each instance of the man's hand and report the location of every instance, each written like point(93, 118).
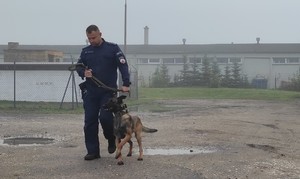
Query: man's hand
point(125, 89)
point(88, 73)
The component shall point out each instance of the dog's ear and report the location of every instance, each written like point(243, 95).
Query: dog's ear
point(120, 99)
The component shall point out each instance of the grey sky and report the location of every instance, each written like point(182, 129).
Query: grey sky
point(63, 22)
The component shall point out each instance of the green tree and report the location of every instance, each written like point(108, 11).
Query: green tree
point(226, 78)
point(215, 78)
point(195, 74)
point(294, 83)
point(164, 72)
point(184, 73)
point(160, 77)
point(237, 80)
point(205, 72)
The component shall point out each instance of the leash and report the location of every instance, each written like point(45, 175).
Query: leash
point(99, 83)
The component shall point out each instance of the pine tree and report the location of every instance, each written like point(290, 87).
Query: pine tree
point(205, 72)
point(236, 76)
point(160, 77)
point(164, 73)
point(185, 74)
point(226, 79)
point(215, 78)
point(195, 74)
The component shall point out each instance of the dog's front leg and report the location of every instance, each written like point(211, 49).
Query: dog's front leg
point(118, 152)
point(119, 148)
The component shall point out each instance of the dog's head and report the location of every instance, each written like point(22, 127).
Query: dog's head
point(115, 104)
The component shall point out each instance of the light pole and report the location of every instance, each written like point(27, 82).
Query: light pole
point(125, 39)
point(125, 28)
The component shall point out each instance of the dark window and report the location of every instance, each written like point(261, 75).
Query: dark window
point(235, 60)
point(195, 60)
point(292, 60)
point(222, 60)
point(154, 60)
point(143, 60)
point(278, 60)
point(179, 60)
point(168, 60)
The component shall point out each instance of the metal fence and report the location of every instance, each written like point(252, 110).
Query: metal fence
point(43, 83)
point(52, 82)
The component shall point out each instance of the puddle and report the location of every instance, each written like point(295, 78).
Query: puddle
point(179, 151)
point(26, 141)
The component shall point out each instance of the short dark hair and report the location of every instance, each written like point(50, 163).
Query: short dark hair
point(91, 28)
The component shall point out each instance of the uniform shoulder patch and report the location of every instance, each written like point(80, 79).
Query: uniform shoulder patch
point(122, 60)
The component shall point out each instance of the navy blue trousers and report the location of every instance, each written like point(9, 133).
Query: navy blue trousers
point(94, 113)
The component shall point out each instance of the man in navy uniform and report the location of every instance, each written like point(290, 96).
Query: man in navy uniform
point(102, 59)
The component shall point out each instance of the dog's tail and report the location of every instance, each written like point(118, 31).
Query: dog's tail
point(148, 130)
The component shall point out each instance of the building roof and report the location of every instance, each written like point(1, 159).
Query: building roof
point(179, 48)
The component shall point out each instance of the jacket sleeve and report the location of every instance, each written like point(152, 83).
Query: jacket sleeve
point(80, 71)
point(123, 67)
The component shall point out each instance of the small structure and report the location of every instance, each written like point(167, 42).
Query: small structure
point(15, 54)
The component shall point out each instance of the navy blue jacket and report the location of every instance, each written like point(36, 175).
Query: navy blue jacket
point(104, 60)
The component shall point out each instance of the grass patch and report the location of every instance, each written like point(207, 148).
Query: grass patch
point(147, 97)
point(23, 107)
point(216, 93)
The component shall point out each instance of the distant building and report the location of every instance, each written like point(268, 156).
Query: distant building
point(16, 54)
point(273, 63)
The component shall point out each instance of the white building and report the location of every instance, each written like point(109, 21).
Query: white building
point(275, 62)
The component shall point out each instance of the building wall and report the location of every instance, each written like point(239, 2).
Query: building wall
point(38, 86)
point(1, 58)
point(258, 68)
point(18, 55)
point(254, 67)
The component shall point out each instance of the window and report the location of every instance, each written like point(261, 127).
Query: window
point(143, 60)
point(222, 60)
point(278, 60)
point(235, 60)
point(292, 60)
point(194, 60)
point(168, 60)
point(179, 60)
point(154, 60)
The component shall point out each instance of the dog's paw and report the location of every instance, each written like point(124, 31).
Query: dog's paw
point(118, 155)
point(120, 163)
point(140, 159)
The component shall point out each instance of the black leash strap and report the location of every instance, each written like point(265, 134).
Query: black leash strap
point(102, 85)
point(77, 66)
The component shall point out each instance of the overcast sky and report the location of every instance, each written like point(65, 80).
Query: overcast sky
point(63, 22)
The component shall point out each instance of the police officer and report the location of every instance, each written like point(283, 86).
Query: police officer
point(102, 60)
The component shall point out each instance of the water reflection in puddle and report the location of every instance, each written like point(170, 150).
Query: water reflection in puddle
point(179, 151)
point(26, 141)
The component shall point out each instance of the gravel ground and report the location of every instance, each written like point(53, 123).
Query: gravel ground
point(198, 139)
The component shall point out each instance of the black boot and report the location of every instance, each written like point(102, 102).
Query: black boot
point(111, 146)
point(91, 156)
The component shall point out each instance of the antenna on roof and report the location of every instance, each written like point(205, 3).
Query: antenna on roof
point(257, 40)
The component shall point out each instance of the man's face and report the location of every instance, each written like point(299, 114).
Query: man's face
point(94, 38)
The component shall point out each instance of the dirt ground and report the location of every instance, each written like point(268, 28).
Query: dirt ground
point(198, 139)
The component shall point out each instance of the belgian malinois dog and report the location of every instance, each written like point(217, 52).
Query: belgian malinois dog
point(124, 127)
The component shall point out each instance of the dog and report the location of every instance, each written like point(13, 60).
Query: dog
point(124, 127)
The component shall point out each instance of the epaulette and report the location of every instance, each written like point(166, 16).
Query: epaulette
point(111, 43)
point(84, 48)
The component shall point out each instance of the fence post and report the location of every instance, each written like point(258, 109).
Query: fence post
point(14, 84)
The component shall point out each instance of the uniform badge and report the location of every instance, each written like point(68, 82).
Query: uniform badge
point(122, 60)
